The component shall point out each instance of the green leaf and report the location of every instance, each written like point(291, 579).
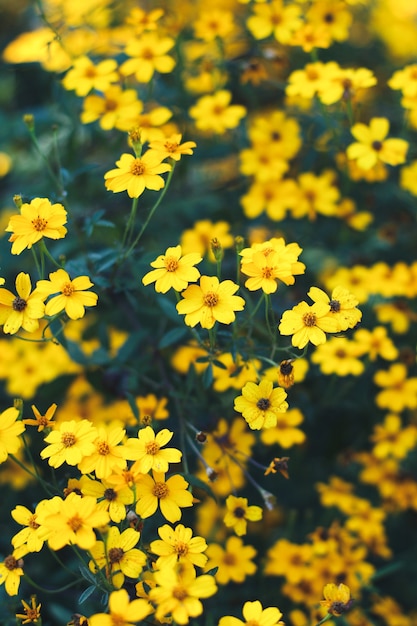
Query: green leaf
point(86, 594)
point(132, 403)
point(172, 336)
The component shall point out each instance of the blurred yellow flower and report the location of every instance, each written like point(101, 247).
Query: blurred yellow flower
point(123, 612)
point(215, 114)
point(337, 598)
point(10, 429)
point(85, 76)
point(148, 55)
point(372, 146)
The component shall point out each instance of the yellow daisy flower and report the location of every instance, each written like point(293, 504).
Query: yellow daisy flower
point(10, 574)
point(172, 147)
point(337, 598)
point(23, 310)
point(10, 429)
point(38, 219)
point(170, 495)
point(84, 76)
point(372, 146)
point(234, 560)
point(108, 453)
point(214, 112)
point(69, 295)
point(147, 450)
point(239, 513)
point(177, 545)
point(148, 55)
point(122, 611)
point(308, 323)
point(173, 270)
point(254, 615)
point(69, 443)
point(261, 404)
point(135, 174)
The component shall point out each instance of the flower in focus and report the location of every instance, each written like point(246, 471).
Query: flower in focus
point(177, 545)
point(32, 612)
point(118, 555)
point(71, 521)
point(69, 295)
point(85, 76)
point(214, 112)
point(234, 560)
point(337, 598)
point(171, 495)
point(209, 302)
point(239, 513)
point(343, 306)
point(28, 539)
point(254, 615)
point(69, 443)
point(10, 574)
point(172, 147)
point(10, 429)
point(177, 594)
point(173, 270)
point(148, 453)
point(23, 310)
point(123, 612)
point(112, 495)
point(261, 404)
point(38, 219)
point(42, 421)
point(372, 146)
point(108, 454)
point(308, 323)
point(135, 174)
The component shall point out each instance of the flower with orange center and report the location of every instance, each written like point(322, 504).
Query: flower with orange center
point(71, 521)
point(42, 421)
point(69, 295)
point(177, 545)
point(148, 55)
point(10, 574)
point(135, 174)
point(122, 612)
point(172, 147)
point(69, 443)
point(234, 561)
point(37, 219)
point(215, 114)
point(85, 76)
point(170, 495)
point(209, 302)
point(108, 453)
point(173, 270)
point(32, 612)
point(22, 310)
point(146, 450)
point(308, 323)
point(372, 146)
point(114, 108)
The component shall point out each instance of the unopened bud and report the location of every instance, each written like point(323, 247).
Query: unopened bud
point(217, 249)
point(135, 140)
point(29, 120)
point(201, 437)
point(17, 199)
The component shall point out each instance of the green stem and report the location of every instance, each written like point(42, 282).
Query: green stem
point(325, 619)
point(130, 223)
point(44, 158)
point(59, 590)
point(35, 258)
point(46, 252)
point(151, 213)
point(44, 484)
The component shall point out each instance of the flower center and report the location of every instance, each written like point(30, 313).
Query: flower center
point(309, 319)
point(110, 105)
point(75, 523)
point(152, 448)
point(328, 18)
point(68, 440)
point(103, 448)
point(263, 404)
point(334, 306)
point(118, 620)
point(211, 299)
point(32, 523)
point(218, 109)
point(147, 54)
point(170, 146)
point(39, 223)
point(110, 495)
point(19, 304)
point(171, 264)
point(179, 593)
point(181, 548)
point(67, 289)
point(115, 555)
point(267, 272)
point(10, 562)
point(137, 168)
point(90, 72)
point(229, 559)
point(160, 490)
point(239, 512)
point(377, 145)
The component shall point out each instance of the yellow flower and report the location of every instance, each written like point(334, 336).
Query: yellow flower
point(10, 574)
point(234, 560)
point(172, 147)
point(42, 421)
point(177, 545)
point(146, 450)
point(108, 454)
point(214, 24)
point(261, 404)
point(114, 109)
point(38, 219)
point(254, 615)
point(122, 611)
point(316, 195)
point(392, 439)
point(23, 310)
point(408, 178)
point(339, 355)
point(331, 16)
point(239, 513)
point(214, 112)
point(209, 302)
point(10, 429)
point(198, 239)
point(308, 323)
point(32, 612)
point(110, 497)
point(285, 432)
point(69, 443)
point(178, 594)
point(173, 270)
point(85, 76)
point(265, 270)
point(151, 408)
point(171, 495)
point(337, 598)
point(135, 174)
point(372, 146)
point(71, 521)
point(274, 18)
point(148, 55)
point(118, 555)
point(376, 343)
point(399, 392)
point(72, 295)
point(29, 539)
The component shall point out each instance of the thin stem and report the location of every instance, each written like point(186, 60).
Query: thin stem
point(35, 258)
point(44, 484)
point(45, 250)
point(130, 223)
point(59, 590)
